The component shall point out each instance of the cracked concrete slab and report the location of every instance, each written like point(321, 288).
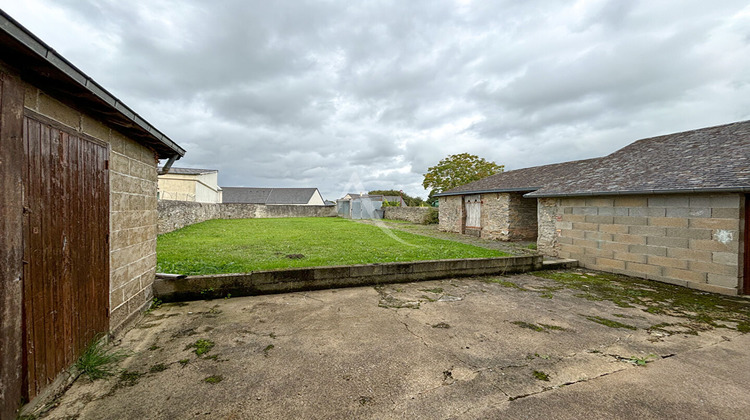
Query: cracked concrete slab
point(521, 346)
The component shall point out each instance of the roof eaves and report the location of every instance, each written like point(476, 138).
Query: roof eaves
point(44, 52)
point(499, 190)
point(541, 194)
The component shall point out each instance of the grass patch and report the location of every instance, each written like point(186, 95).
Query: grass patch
point(539, 375)
point(610, 323)
point(214, 379)
point(703, 310)
point(159, 367)
point(98, 362)
point(503, 282)
point(201, 347)
point(244, 245)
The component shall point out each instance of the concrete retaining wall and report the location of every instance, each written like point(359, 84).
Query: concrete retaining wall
point(409, 214)
point(315, 278)
point(174, 215)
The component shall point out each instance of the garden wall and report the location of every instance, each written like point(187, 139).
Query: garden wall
point(316, 278)
point(409, 214)
point(174, 215)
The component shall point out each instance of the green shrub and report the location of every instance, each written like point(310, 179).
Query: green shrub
point(432, 217)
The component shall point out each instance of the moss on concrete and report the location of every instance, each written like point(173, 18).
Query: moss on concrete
point(708, 309)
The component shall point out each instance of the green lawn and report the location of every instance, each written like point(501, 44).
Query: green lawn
point(243, 245)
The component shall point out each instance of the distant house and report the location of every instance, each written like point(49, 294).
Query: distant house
point(273, 196)
point(189, 184)
point(674, 208)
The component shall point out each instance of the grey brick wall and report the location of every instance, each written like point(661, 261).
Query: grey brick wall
point(690, 240)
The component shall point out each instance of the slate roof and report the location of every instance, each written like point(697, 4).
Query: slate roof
point(189, 171)
point(267, 195)
point(710, 159)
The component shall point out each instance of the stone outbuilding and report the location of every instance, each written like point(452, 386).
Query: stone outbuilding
point(672, 208)
point(78, 172)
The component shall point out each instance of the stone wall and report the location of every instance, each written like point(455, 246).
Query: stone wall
point(409, 214)
point(451, 214)
point(522, 223)
point(689, 240)
point(132, 178)
point(495, 215)
point(174, 215)
point(503, 217)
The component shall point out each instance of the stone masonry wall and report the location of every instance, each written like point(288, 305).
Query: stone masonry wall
point(522, 218)
point(174, 215)
point(451, 214)
point(494, 216)
point(689, 240)
point(409, 214)
point(132, 177)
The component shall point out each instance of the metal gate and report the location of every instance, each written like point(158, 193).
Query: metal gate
point(66, 248)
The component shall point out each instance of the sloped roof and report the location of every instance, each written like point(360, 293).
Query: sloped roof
point(42, 66)
point(267, 195)
point(190, 171)
point(705, 160)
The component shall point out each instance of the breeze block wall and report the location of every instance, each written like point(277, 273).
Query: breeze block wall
point(133, 181)
point(689, 240)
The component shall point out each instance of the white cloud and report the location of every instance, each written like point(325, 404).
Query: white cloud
point(302, 93)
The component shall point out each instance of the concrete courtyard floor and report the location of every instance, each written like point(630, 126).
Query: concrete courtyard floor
point(521, 346)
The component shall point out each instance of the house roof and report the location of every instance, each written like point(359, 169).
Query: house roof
point(42, 66)
point(268, 195)
point(710, 159)
point(190, 171)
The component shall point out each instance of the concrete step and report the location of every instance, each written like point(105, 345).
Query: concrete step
point(559, 263)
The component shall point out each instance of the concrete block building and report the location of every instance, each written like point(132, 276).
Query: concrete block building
point(78, 172)
point(672, 208)
point(190, 184)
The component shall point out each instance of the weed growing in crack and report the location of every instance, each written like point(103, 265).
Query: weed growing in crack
point(159, 367)
point(541, 376)
point(213, 379)
point(641, 361)
point(609, 323)
point(267, 350)
point(98, 362)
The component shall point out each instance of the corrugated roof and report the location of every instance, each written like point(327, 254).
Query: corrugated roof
point(707, 159)
point(189, 171)
point(267, 195)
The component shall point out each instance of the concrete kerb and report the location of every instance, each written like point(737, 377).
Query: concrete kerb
point(316, 278)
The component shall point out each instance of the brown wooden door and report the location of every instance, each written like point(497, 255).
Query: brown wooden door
point(66, 250)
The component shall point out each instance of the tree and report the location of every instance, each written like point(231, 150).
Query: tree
point(457, 170)
point(409, 200)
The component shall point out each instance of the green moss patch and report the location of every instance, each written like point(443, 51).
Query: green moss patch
point(707, 309)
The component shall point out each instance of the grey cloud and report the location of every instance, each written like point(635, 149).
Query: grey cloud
point(303, 93)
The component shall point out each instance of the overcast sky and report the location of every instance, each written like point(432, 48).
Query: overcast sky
point(360, 95)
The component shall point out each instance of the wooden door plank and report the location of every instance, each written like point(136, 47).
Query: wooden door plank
point(11, 248)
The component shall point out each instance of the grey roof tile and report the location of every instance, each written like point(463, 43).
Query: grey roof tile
point(713, 158)
point(267, 195)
